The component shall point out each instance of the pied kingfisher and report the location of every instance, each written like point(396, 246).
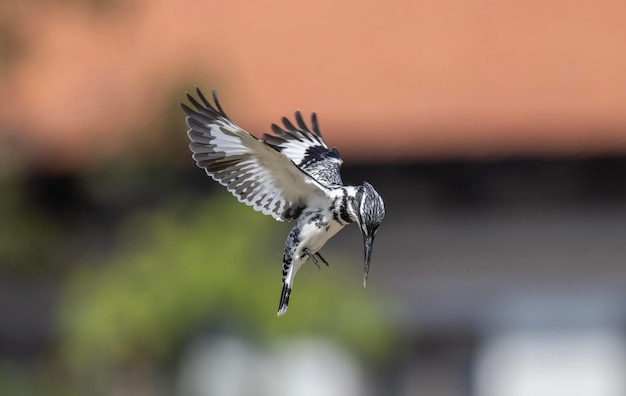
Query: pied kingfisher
point(291, 175)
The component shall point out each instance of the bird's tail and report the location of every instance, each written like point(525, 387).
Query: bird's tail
point(284, 299)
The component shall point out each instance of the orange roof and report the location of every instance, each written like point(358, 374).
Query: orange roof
point(388, 79)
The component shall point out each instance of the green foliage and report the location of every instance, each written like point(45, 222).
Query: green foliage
point(213, 265)
point(29, 239)
point(42, 379)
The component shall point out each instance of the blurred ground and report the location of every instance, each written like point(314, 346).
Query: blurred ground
point(494, 132)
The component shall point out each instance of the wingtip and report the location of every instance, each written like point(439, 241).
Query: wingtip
point(187, 110)
point(187, 95)
point(206, 104)
point(190, 94)
point(301, 124)
point(315, 125)
point(217, 101)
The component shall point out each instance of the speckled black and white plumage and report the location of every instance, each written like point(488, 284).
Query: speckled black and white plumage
point(291, 175)
point(307, 149)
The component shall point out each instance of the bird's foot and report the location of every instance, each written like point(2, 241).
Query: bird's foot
point(322, 258)
point(312, 257)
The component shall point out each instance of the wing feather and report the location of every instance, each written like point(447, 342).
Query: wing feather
point(307, 149)
point(255, 172)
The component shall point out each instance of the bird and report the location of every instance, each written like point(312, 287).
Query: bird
point(290, 175)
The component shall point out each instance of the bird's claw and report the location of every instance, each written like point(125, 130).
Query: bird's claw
point(312, 257)
point(322, 258)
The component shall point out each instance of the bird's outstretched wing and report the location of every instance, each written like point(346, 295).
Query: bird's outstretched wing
point(306, 148)
point(254, 172)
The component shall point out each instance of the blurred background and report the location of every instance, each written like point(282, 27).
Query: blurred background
point(495, 132)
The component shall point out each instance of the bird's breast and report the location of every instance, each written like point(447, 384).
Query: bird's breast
point(317, 229)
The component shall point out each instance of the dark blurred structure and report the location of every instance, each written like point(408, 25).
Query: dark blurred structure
point(469, 250)
point(521, 249)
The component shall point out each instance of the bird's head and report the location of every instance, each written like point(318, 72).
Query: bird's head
point(370, 212)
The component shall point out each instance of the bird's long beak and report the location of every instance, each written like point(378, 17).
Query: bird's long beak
point(368, 241)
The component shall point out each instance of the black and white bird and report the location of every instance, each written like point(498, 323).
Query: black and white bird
point(291, 175)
